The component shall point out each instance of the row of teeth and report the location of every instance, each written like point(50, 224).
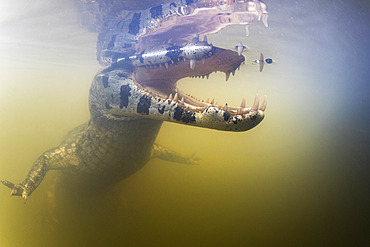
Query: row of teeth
point(232, 110)
point(226, 73)
point(162, 65)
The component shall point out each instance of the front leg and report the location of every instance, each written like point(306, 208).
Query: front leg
point(167, 154)
point(33, 179)
point(58, 158)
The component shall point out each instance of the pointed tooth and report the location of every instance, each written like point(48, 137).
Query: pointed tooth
point(203, 76)
point(240, 48)
point(242, 105)
point(166, 64)
point(226, 108)
point(196, 108)
point(212, 102)
point(233, 72)
point(176, 98)
point(192, 63)
point(264, 20)
point(205, 40)
point(182, 101)
point(170, 97)
point(207, 101)
point(255, 104)
point(227, 75)
point(264, 103)
point(207, 75)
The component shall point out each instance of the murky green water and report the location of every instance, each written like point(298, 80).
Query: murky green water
point(300, 178)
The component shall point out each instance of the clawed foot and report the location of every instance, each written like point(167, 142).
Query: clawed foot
point(17, 189)
point(193, 160)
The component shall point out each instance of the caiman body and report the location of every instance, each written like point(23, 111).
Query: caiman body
point(136, 92)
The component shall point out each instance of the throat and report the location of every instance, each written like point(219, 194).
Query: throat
point(159, 86)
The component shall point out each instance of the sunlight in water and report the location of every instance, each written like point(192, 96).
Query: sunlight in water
point(296, 179)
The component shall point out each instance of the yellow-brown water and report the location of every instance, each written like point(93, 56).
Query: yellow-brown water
point(297, 179)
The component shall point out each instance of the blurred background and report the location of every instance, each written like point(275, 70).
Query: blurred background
point(300, 178)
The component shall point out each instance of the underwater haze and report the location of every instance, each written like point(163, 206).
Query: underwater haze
point(300, 178)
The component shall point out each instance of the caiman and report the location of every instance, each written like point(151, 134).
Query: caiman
point(144, 54)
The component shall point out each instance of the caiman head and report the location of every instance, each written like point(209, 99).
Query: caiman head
point(149, 88)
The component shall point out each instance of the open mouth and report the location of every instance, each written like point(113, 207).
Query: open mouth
point(161, 80)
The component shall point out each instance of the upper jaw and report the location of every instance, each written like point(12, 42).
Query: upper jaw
point(161, 80)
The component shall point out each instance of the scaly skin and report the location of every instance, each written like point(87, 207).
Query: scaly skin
point(129, 103)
